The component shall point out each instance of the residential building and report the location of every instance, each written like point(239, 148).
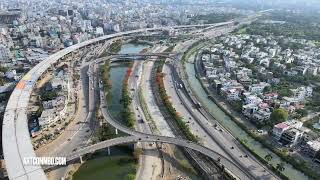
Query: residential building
point(280, 128)
point(312, 149)
point(290, 137)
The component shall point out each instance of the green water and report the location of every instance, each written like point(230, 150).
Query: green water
point(112, 167)
point(117, 75)
point(132, 48)
point(233, 128)
point(115, 167)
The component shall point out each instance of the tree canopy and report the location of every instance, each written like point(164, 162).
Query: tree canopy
point(279, 115)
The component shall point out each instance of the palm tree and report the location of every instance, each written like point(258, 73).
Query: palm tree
point(268, 157)
point(280, 166)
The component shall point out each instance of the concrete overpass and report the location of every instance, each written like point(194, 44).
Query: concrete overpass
point(229, 165)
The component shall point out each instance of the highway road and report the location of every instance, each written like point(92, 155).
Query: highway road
point(172, 86)
point(150, 165)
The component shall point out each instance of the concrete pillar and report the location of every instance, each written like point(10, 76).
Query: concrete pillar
point(116, 131)
point(81, 160)
point(109, 151)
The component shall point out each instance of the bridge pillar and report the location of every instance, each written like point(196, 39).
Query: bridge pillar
point(116, 131)
point(109, 151)
point(81, 160)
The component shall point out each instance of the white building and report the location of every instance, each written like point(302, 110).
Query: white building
point(258, 88)
point(252, 99)
point(47, 117)
point(302, 92)
point(280, 128)
point(312, 148)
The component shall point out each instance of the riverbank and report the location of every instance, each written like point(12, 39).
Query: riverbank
point(126, 113)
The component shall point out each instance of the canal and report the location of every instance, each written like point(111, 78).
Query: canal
point(117, 75)
point(233, 128)
point(121, 164)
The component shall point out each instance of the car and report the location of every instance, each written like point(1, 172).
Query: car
point(69, 139)
point(87, 130)
point(74, 149)
point(137, 108)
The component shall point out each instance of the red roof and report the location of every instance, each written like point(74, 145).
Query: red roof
point(282, 125)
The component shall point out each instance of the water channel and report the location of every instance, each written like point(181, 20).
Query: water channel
point(236, 131)
point(117, 75)
point(104, 166)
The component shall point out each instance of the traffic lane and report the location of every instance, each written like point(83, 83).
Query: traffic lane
point(82, 132)
point(85, 85)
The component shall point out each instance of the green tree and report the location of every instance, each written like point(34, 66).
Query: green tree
point(267, 89)
point(268, 157)
point(238, 105)
point(104, 132)
point(2, 81)
point(302, 112)
point(280, 167)
point(136, 154)
point(279, 115)
point(3, 69)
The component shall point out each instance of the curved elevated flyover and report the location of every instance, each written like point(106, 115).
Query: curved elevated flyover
point(153, 138)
